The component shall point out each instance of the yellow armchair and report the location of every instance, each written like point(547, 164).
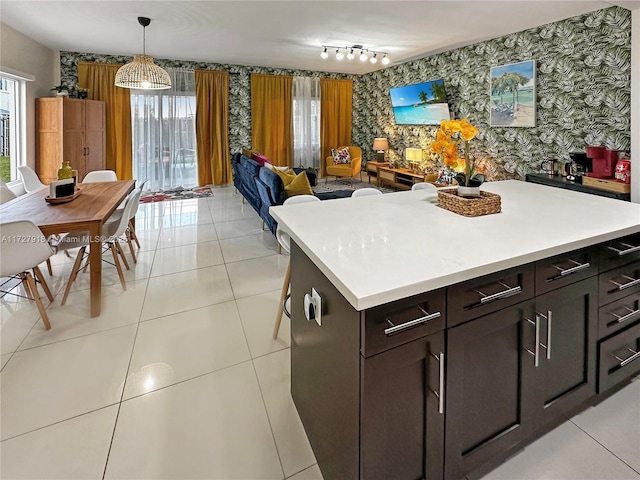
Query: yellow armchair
point(345, 170)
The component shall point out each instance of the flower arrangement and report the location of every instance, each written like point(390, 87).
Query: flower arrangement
point(448, 138)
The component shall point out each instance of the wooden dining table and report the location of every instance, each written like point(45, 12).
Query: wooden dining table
point(87, 212)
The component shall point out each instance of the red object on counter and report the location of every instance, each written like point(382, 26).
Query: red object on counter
point(595, 152)
point(623, 171)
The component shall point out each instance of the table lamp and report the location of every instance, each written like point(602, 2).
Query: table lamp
point(414, 158)
point(380, 145)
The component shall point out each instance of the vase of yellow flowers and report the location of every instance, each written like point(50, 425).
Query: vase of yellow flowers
point(449, 137)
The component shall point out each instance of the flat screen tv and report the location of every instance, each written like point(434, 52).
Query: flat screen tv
point(420, 104)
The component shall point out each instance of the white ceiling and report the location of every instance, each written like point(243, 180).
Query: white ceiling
point(286, 34)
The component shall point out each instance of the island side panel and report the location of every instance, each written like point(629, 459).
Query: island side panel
point(325, 370)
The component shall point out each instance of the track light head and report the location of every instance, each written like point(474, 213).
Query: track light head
point(339, 54)
point(350, 55)
point(324, 55)
point(385, 60)
point(374, 59)
point(363, 56)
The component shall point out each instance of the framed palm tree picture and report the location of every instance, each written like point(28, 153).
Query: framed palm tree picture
point(513, 95)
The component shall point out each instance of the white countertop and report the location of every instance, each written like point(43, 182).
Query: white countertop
point(377, 249)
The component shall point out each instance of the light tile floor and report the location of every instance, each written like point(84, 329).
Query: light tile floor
point(180, 378)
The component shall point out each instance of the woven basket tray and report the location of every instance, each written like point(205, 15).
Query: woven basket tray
point(487, 204)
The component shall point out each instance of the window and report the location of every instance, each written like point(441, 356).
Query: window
point(164, 134)
point(12, 126)
point(306, 122)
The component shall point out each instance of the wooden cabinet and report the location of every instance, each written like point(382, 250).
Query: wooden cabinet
point(69, 129)
point(568, 333)
point(400, 178)
point(490, 383)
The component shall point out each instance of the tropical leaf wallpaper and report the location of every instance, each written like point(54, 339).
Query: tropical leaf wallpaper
point(583, 93)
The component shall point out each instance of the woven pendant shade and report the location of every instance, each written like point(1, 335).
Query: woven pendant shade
point(142, 73)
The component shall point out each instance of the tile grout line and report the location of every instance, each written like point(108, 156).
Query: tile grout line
point(603, 446)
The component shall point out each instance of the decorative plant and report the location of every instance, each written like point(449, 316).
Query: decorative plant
point(449, 136)
point(60, 88)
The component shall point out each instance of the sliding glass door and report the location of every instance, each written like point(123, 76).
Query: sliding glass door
point(164, 138)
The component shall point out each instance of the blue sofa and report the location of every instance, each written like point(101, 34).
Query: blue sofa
point(262, 188)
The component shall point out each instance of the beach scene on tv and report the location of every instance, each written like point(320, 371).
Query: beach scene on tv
point(420, 104)
point(513, 95)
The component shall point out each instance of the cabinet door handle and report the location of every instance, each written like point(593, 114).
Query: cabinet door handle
point(440, 393)
point(624, 318)
point(411, 323)
point(568, 271)
point(88, 151)
point(547, 317)
point(503, 294)
point(629, 249)
point(536, 349)
point(632, 282)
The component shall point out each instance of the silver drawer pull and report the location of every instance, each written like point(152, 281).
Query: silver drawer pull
point(624, 318)
point(633, 357)
point(569, 271)
point(629, 249)
point(497, 296)
point(411, 323)
point(632, 283)
point(440, 393)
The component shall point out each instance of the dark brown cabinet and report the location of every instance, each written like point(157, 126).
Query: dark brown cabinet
point(568, 328)
point(490, 386)
point(511, 372)
point(402, 412)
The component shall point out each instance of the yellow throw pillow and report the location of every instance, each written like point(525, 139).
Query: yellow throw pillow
point(247, 152)
point(298, 186)
point(287, 176)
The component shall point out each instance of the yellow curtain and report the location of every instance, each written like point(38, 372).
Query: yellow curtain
point(335, 115)
point(99, 78)
point(212, 127)
point(271, 117)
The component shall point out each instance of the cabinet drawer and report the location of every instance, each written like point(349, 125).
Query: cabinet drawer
point(386, 175)
point(397, 323)
point(619, 358)
point(619, 283)
point(561, 270)
point(479, 296)
point(620, 251)
point(618, 315)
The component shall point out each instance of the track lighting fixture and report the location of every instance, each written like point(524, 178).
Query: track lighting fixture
point(348, 51)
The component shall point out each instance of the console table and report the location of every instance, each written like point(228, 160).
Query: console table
point(400, 178)
point(562, 182)
point(372, 169)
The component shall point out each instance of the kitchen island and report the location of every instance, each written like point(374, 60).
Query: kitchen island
point(447, 342)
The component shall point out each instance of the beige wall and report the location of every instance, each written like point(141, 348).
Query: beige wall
point(22, 54)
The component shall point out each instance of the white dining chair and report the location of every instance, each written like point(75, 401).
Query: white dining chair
point(30, 179)
point(284, 241)
point(363, 192)
point(100, 176)
point(424, 186)
point(111, 234)
point(130, 232)
point(18, 257)
point(6, 194)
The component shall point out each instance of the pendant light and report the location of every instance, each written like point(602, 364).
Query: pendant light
point(142, 73)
